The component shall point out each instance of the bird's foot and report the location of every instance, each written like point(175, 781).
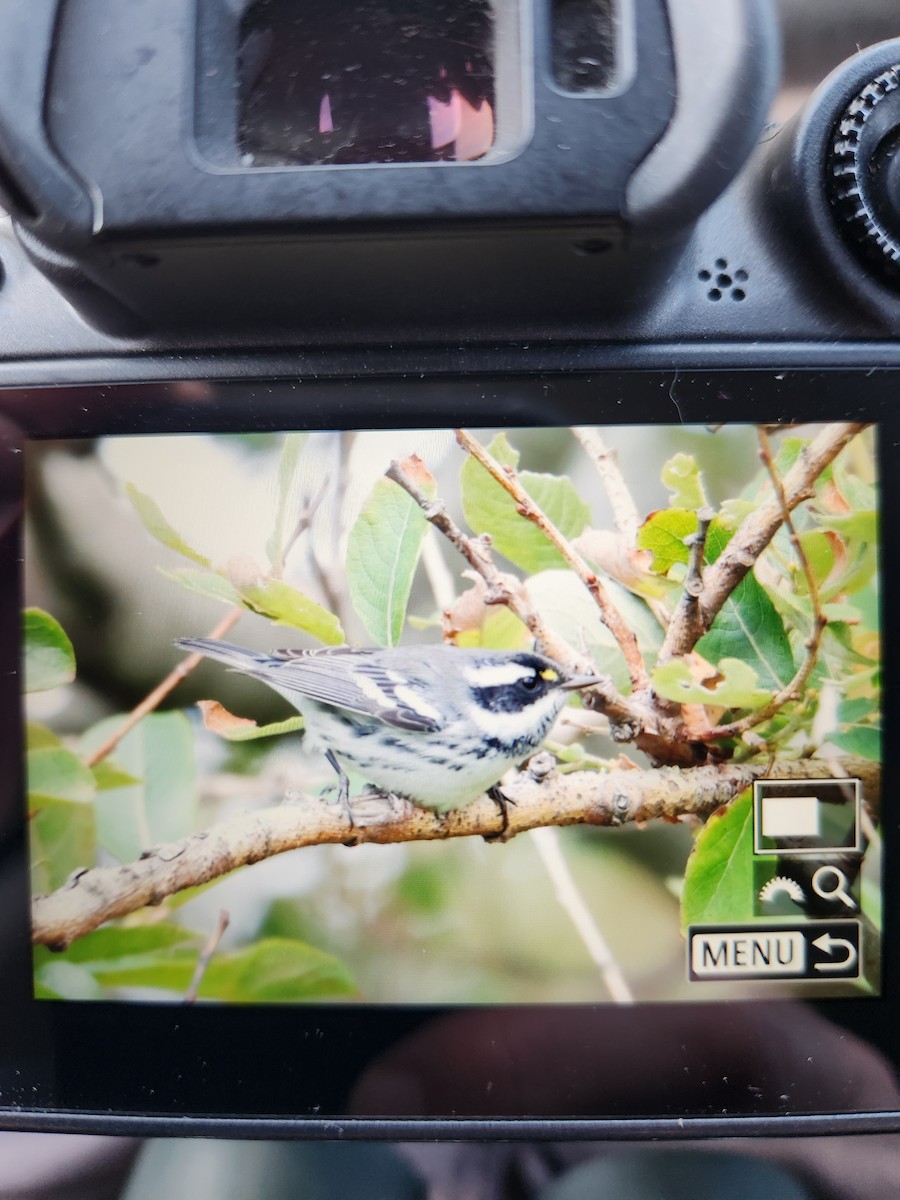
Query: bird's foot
point(503, 803)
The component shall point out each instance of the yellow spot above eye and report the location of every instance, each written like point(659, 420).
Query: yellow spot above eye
point(550, 675)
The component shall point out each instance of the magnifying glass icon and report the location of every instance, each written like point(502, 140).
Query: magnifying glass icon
point(831, 884)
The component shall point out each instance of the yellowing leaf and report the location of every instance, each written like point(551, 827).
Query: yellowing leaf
point(665, 534)
point(285, 605)
point(682, 475)
point(732, 686)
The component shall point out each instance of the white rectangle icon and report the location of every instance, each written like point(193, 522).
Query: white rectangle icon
point(790, 816)
point(760, 954)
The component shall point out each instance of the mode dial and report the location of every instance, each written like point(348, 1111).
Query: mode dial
point(864, 175)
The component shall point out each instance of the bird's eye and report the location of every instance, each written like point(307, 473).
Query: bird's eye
point(530, 683)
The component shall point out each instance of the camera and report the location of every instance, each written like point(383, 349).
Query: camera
point(382, 327)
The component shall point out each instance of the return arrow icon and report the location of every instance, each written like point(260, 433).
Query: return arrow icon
point(830, 945)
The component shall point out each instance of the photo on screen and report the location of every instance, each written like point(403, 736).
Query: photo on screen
point(435, 716)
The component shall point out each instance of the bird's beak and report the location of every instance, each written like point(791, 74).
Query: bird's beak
point(580, 681)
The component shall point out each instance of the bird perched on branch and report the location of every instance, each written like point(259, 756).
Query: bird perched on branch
point(436, 724)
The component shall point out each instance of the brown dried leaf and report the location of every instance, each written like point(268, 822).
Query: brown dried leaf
point(217, 718)
point(626, 564)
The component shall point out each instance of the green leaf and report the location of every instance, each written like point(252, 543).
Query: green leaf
point(682, 475)
point(272, 598)
point(490, 509)
point(863, 740)
point(69, 981)
point(665, 535)
point(207, 583)
point(572, 614)
point(273, 970)
point(291, 449)
point(49, 660)
point(382, 555)
point(156, 524)
point(858, 494)
point(285, 605)
point(718, 880)
point(750, 628)
point(500, 630)
point(862, 525)
point(108, 775)
point(63, 839)
point(115, 943)
point(57, 773)
point(860, 728)
point(39, 737)
point(733, 687)
point(162, 807)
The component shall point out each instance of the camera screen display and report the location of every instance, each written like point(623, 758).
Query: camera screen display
point(576, 714)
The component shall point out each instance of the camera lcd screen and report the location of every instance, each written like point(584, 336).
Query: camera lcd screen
point(572, 810)
point(699, 822)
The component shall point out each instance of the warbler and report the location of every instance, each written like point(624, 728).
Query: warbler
point(438, 725)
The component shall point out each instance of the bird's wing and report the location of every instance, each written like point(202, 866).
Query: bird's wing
point(355, 680)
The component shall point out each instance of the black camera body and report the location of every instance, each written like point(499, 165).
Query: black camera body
point(596, 211)
point(246, 217)
point(612, 202)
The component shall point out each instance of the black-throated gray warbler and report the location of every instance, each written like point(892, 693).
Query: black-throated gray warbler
point(436, 724)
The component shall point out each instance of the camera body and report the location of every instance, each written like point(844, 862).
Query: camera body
point(443, 202)
point(602, 207)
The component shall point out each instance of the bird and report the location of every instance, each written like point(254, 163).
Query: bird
point(437, 725)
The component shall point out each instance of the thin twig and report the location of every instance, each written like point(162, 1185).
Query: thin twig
point(794, 689)
point(687, 620)
point(502, 588)
point(304, 521)
point(757, 530)
point(91, 897)
point(609, 614)
point(546, 840)
point(159, 693)
point(212, 945)
point(605, 459)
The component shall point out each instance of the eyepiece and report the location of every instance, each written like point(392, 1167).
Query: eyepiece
point(365, 81)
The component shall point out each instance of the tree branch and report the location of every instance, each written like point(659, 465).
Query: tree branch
point(757, 530)
point(503, 588)
point(609, 614)
point(687, 620)
point(91, 897)
point(571, 901)
point(794, 689)
point(625, 513)
point(159, 693)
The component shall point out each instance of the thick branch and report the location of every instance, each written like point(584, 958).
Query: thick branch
point(609, 614)
point(92, 897)
point(758, 529)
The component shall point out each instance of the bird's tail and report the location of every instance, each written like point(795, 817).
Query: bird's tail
point(236, 657)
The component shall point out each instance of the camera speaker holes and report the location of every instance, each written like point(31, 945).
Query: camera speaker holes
point(723, 283)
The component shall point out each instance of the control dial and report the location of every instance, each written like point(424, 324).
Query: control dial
point(864, 176)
